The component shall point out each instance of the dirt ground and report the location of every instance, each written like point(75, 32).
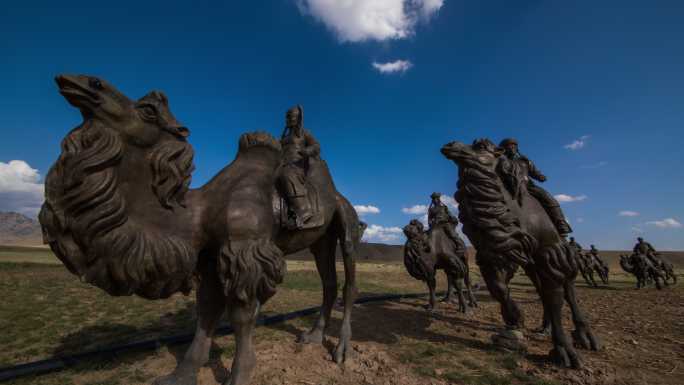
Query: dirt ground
point(400, 343)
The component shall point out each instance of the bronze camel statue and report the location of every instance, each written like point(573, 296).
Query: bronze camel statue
point(510, 231)
point(588, 265)
point(426, 252)
point(119, 214)
point(643, 269)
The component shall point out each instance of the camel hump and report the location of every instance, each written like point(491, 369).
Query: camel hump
point(250, 140)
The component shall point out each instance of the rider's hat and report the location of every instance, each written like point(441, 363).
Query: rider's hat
point(435, 195)
point(508, 141)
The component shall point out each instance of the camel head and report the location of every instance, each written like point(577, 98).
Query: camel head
point(483, 152)
point(142, 123)
point(111, 198)
point(145, 128)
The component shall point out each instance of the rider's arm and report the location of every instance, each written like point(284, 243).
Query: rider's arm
point(312, 147)
point(534, 172)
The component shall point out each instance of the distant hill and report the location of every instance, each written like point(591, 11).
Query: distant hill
point(18, 229)
point(379, 252)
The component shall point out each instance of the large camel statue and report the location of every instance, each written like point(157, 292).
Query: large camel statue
point(119, 214)
point(510, 231)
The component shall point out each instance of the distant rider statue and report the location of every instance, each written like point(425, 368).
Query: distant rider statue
point(517, 170)
point(439, 215)
point(644, 248)
point(593, 251)
point(575, 245)
point(298, 147)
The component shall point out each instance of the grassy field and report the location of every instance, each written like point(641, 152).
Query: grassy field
point(47, 312)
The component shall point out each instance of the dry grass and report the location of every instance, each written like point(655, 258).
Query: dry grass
point(46, 311)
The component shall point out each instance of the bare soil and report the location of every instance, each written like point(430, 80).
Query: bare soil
point(393, 343)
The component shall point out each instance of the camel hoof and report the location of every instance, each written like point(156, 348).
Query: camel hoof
point(311, 337)
point(177, 378)
point(585, 339)
point(510, 340)
point(566, 358)
point(543, 331)
point(340, 353)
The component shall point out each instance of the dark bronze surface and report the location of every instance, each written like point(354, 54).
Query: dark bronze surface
point(120, 215)
point(510, 228)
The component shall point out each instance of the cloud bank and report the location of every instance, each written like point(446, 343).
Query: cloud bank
point(564, 198)
point(667, 223)
point(397, 66)
point(361, 20)
point(628, 213)
point(366, 209)
point(577, 144)
point(20, 190)
point(377, 233)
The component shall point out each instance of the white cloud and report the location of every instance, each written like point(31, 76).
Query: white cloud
point(422, 209)
point(627, 213)
point(361, 20)
point(366, 209)
point(382, 234)
point(596, 165)
point(564, 198)
point(637, 229)
point(667, 223)
point(449, 201)
point(20, 190)
point(415, 210)
point(577, 143)
point(393, 67)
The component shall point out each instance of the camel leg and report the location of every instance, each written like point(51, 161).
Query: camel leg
point(349, 250)
point(450, 289)
point(324, 253)
point(583, 336)
point(211, 304)
point(242, 318)
point(545, 327)
point(591, 277)
point(497, 284)
point(472, 301)
point(461, 298)
point(432, 285)
point(656, 278)
point(563, 352)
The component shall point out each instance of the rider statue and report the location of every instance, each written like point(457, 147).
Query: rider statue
point(521, 170)
point(298, 147)
point(576, 245)
point(439, 215)
point(645, 248)
point(593, 251)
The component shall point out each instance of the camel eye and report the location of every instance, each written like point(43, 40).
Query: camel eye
point(95, 83)
point(147, 112)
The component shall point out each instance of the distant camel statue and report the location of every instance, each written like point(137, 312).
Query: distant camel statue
point(588, 266)
point(643, 269)
point(510, 231)
point(425, 252)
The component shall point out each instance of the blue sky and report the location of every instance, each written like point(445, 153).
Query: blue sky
point(604, 74)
